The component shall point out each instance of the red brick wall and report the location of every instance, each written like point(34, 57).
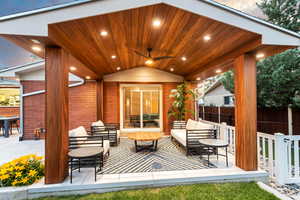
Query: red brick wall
point(111, 100)
point(9, 111)
point(167, 87)
point(82, 106)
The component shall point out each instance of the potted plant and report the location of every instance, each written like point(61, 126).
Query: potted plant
point(180, 95)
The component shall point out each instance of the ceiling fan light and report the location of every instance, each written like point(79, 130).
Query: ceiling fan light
point(149, 62)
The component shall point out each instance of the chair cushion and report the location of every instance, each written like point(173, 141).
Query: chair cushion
point(190, 124)
point(80, 131)
point(179, 135)
point(106, 146)
point(98, 123)
point(197, 125)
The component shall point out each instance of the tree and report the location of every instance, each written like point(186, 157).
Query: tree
point(278, 76)
point(278, 82)
point(284, 13)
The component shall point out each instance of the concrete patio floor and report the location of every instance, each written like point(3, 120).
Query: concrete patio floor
point(83, 182)
point(11, 148)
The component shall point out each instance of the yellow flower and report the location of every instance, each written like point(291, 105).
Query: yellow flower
point(24, 180)
point(39, 157)
point(3, 177)
point(3, 171)
point(18, 174)
point(15, 182)
point(10, 169)
point(32, 173)
point(24, 162)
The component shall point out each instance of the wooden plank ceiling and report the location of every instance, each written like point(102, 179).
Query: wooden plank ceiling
point(180, 34)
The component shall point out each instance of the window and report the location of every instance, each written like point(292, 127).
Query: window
point(9, 97)
point(228, 100)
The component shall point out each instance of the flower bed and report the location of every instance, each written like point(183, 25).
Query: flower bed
point(25, 170)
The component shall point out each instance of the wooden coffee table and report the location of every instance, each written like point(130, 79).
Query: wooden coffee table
point(145, 137)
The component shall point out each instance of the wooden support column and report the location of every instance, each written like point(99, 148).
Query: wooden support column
point(56, 115)
point(99, 101)
point(245, 112)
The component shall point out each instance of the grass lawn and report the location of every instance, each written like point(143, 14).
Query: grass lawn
point(226, 191)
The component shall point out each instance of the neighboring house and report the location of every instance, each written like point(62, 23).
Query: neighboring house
point(9, 97)
point(120, 99)
point(217, 95)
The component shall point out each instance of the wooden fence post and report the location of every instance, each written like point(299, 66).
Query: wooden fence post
point(281, 158)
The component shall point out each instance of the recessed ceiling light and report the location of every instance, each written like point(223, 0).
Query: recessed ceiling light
point(183, 58)
point(260, 55)
point(113, 56)
point(218, 71)
point(207, 38)
point(118, 68)
point(149, 62)
point(72, 68)
point(156, 23)
point(88, 77)
point(36, 48)
point(172, 69)
point(36, 41)
point(198, 78)
point(103, 33)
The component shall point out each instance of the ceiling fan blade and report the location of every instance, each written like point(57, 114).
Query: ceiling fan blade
point(140, 54)
point(163, 57)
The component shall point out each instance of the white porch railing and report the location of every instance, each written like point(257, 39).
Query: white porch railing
point(278, 154)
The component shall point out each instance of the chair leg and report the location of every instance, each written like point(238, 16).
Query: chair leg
point(17, 127)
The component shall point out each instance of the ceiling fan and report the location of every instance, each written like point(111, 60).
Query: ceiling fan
point(150, 60)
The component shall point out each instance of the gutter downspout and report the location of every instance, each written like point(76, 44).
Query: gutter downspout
point(21, 113)
point(82, 81)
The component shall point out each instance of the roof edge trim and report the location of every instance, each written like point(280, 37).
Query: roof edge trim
point(21, 66)
point(45, 9)
point(250, 17)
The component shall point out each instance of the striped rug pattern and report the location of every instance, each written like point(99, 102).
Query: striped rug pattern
point(168, 157)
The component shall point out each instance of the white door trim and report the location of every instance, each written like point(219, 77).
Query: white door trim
point(160, 108)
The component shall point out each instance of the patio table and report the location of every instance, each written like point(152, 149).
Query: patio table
point(145, 137)
point(215, 144)
point(6, 123)
point(85, 157)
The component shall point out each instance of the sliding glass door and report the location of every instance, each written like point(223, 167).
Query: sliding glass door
point(141, 107)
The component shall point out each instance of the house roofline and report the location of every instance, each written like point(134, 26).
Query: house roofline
point(32, 64)
point(45, 9)
point(250, 17)
point(210, 2)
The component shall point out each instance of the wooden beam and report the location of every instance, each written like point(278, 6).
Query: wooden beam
point(248, 46)
point(57, 115)
point(245, 112)
point(99, 101)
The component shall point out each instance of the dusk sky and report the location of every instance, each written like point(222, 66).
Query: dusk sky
point(11, 55)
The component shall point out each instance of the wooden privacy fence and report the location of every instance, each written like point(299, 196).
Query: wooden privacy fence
point(277, 154)
point(269, 120)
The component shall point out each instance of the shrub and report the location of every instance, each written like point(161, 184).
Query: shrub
point(25, 170)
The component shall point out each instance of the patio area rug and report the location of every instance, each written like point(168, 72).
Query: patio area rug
point(168, 157)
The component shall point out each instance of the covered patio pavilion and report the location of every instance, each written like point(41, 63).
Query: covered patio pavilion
point(100, 38)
